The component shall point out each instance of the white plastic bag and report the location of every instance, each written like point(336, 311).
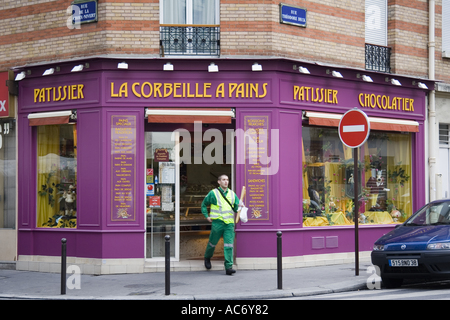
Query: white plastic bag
point(243, 214)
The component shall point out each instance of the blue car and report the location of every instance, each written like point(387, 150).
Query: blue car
point(418, 248)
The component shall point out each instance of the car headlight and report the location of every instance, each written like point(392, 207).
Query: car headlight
point(438, 245)
point(378, 247)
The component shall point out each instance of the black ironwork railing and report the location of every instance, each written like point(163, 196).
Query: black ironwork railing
point(197, 40)
point(378, 58)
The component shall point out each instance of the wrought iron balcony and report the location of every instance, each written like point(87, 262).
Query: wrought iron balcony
point(378, 58)
point(192, 40)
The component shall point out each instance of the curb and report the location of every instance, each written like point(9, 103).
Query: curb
point(274, 294)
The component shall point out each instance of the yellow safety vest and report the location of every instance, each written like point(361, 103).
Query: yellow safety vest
point(222, 211)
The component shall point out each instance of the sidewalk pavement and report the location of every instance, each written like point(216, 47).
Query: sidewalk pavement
point(195, 285)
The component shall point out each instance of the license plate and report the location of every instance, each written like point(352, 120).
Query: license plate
point(404, 263)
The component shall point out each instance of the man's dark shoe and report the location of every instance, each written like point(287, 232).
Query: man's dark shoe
point(208, 263)
point(230, 271)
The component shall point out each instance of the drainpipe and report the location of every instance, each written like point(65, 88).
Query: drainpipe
point(432, 142)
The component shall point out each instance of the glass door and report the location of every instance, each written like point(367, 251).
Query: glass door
point(162, 194)
point(176, 184)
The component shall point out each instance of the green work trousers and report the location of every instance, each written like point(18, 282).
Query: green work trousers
point(219, 229)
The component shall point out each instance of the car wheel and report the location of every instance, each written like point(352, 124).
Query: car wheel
point(391, 283)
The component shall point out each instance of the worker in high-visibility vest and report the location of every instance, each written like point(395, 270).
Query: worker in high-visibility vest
point(224, 203)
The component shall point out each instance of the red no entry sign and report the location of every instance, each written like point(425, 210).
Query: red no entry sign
point(354, 128)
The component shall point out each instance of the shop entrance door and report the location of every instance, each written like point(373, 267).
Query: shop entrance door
point(177, 183)
point(162, 194)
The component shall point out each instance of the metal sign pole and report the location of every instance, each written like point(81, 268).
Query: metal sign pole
point(354, 129)
point(356, 181)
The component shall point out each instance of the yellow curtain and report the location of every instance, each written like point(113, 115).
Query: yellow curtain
point(75, 139)
point(48, 172)
point(305, 174)
point(399, 161)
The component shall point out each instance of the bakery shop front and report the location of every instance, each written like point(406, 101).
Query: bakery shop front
point(115, 159)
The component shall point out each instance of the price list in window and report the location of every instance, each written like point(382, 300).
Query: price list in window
point(256, 177)
point(123, 168)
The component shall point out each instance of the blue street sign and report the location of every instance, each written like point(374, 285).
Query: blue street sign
point(86, 12)
point(292, 15)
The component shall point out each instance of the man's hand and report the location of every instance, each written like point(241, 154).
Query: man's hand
point(209, 219)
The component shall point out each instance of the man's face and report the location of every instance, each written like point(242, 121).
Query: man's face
point(223, 182)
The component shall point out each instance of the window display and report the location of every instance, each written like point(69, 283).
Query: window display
point(57, 176)
point(7, 174)
point(328, 186)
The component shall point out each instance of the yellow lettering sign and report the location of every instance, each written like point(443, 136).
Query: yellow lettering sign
point(187, 90)
point(383, 102)
point(60, 93)
point(311, 94)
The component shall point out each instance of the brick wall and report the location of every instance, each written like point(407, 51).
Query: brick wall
point(35, 31)
point(334, 32)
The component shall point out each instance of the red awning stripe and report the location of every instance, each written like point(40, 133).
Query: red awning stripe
point(384, 124)
point(49, 118)
point(49, 121)
point(184, 115)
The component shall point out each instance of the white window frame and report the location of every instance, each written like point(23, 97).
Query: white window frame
point(376, 22)
point(190, 12)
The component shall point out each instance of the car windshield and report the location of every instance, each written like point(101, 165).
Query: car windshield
point(432, 214)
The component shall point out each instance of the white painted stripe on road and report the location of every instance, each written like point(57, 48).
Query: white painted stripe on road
point(356, 128)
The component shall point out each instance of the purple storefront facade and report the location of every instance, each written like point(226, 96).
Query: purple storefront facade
point(111, 126)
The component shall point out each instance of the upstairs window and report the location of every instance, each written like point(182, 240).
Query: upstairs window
point(376, 51)
point(376, 22)
point(190, 27)
point(197, 12)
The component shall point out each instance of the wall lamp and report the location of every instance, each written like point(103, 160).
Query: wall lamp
point(334, 73)
point(168, 67)
point(421, 85)
point(364, 77)
point(122, 65)
point(77, 68)
point(367, 78)
point(213, 67)
point(303, 70)
point(20, 76)
point(256, 67)
point(395, 82)
point(50, 71)
point(80, 67)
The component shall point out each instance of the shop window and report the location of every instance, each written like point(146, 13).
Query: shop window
point(7, 174)
point(328, 186)
point(57, 176)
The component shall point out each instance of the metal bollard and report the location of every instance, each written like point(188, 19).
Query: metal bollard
point(63, 265)
point(167, 256)
point(279, 261)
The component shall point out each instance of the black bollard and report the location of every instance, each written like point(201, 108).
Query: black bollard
point(279, 261)
point(167, 255)
point(63, 265)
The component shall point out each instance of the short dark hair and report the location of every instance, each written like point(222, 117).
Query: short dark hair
point(220, 177)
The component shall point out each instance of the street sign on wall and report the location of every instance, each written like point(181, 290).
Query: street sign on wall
point(292, 15)
point(85, 11)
